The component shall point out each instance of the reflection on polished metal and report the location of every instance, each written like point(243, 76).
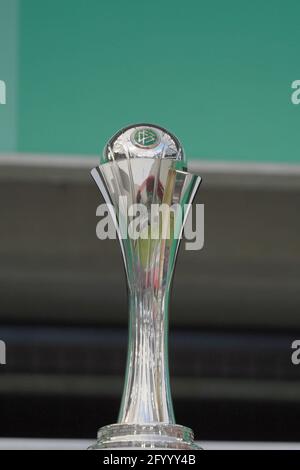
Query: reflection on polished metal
point(146, 164)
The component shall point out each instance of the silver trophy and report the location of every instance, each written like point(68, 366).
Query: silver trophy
point(144, 166)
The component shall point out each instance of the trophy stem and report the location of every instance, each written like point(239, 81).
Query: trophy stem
point(147, 397)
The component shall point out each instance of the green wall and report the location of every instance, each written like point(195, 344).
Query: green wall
point(217, 73)
point(8, 73)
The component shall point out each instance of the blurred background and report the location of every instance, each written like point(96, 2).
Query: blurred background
point(218, 75)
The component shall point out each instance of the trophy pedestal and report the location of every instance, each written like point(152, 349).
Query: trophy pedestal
point(145, 436)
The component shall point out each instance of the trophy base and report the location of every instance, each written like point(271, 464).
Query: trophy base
point(145, 436)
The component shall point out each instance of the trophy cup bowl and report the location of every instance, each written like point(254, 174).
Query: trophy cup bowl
point(144, 165)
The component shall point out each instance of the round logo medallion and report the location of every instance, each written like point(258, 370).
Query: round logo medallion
point(145, 138)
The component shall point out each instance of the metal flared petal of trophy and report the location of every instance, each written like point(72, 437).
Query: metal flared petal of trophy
point(144, 181)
